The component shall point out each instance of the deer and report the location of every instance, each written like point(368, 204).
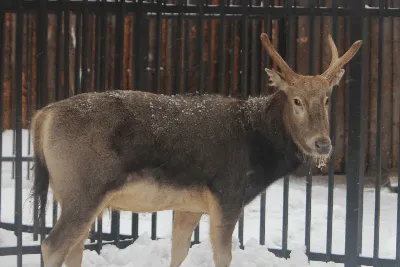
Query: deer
point(194, 154)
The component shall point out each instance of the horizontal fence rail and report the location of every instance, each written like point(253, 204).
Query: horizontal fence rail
point(51, 50)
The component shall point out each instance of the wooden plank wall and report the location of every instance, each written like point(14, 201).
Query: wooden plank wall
point(233, 58)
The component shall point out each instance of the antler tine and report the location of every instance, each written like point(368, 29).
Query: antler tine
point(289, 74)
point(340, 62)
point(335, 54)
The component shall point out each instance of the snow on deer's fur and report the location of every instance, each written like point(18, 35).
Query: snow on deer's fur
point(194, 154)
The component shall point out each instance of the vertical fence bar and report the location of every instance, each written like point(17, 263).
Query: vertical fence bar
point(119, 45)
point(18, 124)
point(245, 49)
point(171, 69)
point(92, 231)
point(136, 45)
point(42, 55)
point(263, 197)
point(36, 223)
point(311, 68)
point(135, 226)
point(119, 56)
point(104, 47)
point(78, 52)
point(58, 92)
point(57, 68)
point(378, 152)
point(255, 53)
point(232, 58)
point(35, 198)
point(244, 94)
point(145, 43)
point(55, 212)
point(333, 100)
point(136, 61)
point(398, 205)
point(356, 135)
point(197, 234)
point(30, 89)
point(186, 56)
point(42, 82)
point(285, 216)
point(398, 209)
point(289, 58)
point(136, 53)
point(66, 48)
point(207, 77)
point(178, 43)
point(98, 55)
point(99, 244)
point(157, 87)
point(263, 203)
point(13, 127)
point(115, 226)
point(221, 48)
point(241, 230)
point(90, 61)
point(200, 45)
point(201, 23)
point(199, 57)
point(85, 37)
point(154, 226)
point(2, 24)
point(308, 208)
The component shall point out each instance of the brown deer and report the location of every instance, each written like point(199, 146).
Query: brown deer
point(194, 154)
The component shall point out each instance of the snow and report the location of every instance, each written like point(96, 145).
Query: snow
point(146, 252)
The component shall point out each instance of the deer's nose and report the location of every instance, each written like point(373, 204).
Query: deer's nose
point(323, 145)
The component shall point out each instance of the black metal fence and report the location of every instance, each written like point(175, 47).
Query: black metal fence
point(100, 63)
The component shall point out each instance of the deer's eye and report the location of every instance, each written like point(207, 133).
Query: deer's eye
point(327, 101)
point(297, 102)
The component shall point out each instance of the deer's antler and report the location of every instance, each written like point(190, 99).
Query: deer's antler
point(290, 75)
point(335, 54)
point(336, 62)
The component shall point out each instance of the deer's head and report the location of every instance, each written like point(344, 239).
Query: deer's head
point(307, 98)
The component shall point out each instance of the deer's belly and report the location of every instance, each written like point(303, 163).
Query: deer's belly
point(147, 195)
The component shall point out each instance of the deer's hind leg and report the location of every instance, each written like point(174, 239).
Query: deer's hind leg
point(65, 241)
point(74, 258)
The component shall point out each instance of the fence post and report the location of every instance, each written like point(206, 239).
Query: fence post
point(19, 24)
point(355, 164)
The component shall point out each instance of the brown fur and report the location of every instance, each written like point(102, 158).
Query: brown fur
point(310, 121)
point(194, 154)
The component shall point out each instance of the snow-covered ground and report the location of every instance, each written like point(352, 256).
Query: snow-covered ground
point(145, 252)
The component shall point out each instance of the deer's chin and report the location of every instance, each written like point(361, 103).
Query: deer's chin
point(320, 158)
point(313, 153)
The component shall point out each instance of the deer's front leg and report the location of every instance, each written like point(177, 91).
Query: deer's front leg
point(183, 227)
point(223, 219)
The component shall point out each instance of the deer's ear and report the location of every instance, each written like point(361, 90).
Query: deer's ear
point(276, 79)
point(336, 78)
